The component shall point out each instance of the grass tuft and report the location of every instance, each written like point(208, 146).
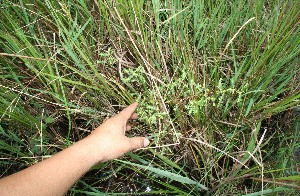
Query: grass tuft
point(217, 83)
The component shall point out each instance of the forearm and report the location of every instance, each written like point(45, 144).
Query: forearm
point(53, 176)
point(56, 175)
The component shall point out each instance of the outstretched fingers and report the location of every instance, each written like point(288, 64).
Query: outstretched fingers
point(134, 116)
point(128, 112)
point(128, 127)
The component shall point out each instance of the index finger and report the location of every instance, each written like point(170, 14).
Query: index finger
point(128, 111)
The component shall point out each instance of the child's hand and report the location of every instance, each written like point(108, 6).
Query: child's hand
point(109, 140)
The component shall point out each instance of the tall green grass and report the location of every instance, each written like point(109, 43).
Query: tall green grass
point(216, 82)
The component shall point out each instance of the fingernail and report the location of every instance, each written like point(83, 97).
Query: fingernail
point(146, 142)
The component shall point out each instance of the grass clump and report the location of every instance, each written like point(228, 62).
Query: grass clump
point(217, 83)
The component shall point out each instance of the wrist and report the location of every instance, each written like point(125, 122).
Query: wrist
point(96, 147)
point(88, 150)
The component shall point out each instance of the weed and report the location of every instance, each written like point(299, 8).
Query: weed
point(215, 81)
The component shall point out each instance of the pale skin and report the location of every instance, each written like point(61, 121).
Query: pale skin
point(55, 175)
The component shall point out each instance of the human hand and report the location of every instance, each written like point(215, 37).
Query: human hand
point(62, 170)
point(109, 140)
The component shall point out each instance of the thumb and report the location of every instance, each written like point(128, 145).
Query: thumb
point(138, 142)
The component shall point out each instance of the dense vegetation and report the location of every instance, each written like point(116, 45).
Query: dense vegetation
point(217, 83)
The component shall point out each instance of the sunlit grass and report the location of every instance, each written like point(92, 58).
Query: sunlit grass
point(216, 83)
